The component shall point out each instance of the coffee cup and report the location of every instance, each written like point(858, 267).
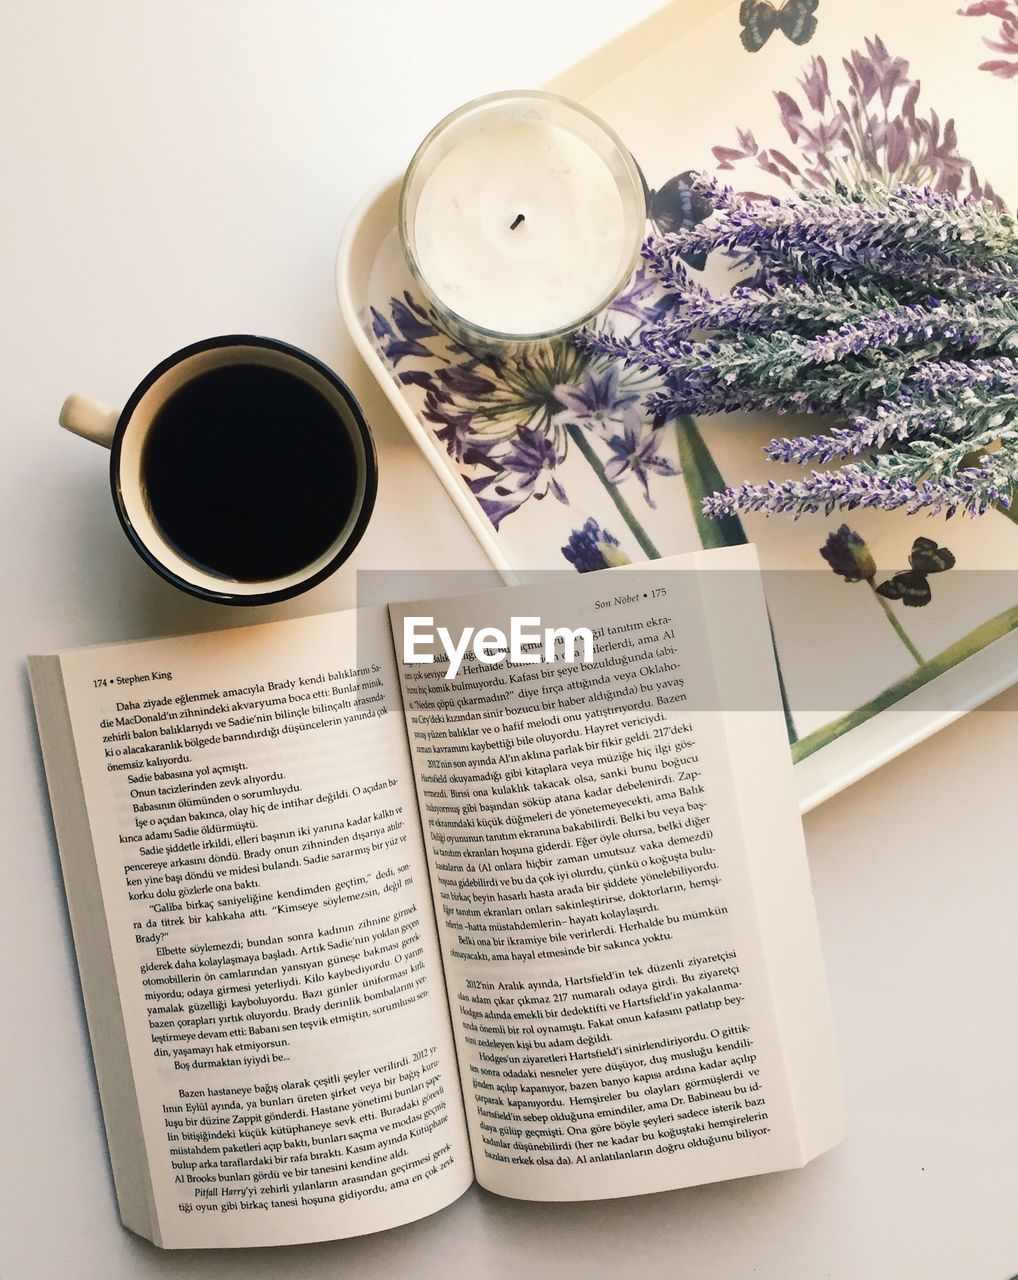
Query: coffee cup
point(242, 469)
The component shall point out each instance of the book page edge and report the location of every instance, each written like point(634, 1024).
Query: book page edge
point(782, 888)
point(103, 1014)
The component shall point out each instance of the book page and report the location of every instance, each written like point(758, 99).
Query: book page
point(258, 846)
point(622, 1017)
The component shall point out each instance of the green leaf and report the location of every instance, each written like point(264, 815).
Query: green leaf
point(973, 643)
point(702, 477)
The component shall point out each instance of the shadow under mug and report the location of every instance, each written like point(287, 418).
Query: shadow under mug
point(125, 433)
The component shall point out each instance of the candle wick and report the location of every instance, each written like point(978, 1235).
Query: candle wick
point(516, 222)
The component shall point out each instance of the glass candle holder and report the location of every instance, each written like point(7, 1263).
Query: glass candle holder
point(521, 217)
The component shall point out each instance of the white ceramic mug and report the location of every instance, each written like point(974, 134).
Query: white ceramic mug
point(125, 432)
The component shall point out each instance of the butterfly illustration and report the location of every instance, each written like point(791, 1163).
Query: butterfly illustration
point(674, 206)
point(760, 19)
point(913, 587)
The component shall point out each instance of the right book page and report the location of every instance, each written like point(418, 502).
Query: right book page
point(620, 880)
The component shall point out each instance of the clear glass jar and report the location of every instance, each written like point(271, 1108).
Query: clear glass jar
point(521, 216)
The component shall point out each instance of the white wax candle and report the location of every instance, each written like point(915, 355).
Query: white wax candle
point(560, 259)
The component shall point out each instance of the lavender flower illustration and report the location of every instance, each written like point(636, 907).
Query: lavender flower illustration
point(849, 557)
point(1006, 13)
point(874, 129)
point(598, 402)
point(509, 423)
point(591, 548)
point(496, 418)
point(635, 451)
point(526, 469)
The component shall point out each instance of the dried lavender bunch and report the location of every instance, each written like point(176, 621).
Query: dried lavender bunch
point(870, 225)
point(895, 309)
point(943, 398)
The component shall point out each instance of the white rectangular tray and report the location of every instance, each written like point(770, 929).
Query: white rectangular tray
point(676, 87)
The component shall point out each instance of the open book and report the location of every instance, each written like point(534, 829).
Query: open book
point(353, 935)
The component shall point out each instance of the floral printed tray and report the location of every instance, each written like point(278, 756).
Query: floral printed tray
point(554, 462)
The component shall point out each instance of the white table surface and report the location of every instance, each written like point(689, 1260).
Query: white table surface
point(174, 170)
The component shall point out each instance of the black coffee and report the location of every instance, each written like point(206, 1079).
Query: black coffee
point(250, 472)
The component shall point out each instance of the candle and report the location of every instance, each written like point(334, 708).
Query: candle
point(521, 216)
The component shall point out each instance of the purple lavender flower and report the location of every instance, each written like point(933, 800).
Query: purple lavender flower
point(592, 548)
point(848, 555)
point(890, 422)
point(964, 327)
point(936, 376)
point(635, 452)
point(955, 411)
point(909, 234)
point(934, 429)
point(971, 490)
point(669, 267)
point(807, 308)
point(785, 345)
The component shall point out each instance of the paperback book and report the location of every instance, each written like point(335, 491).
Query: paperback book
point(353, 935)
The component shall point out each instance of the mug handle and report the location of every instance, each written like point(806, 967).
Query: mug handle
point(89, 418)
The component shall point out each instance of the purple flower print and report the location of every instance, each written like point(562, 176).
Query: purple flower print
point(816, 85)
point(508, 423)
point(1006, 13)
point(456, 432)
point(850, 558)
point(848, 555)
point(598, 402)
point(644, 301)
point(413, 328)
point(873, 133)
point(876, 72)
point(592, 548)
point(635, 452)
point(526, 470)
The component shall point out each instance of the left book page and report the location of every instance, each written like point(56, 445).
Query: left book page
point(249, 898)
